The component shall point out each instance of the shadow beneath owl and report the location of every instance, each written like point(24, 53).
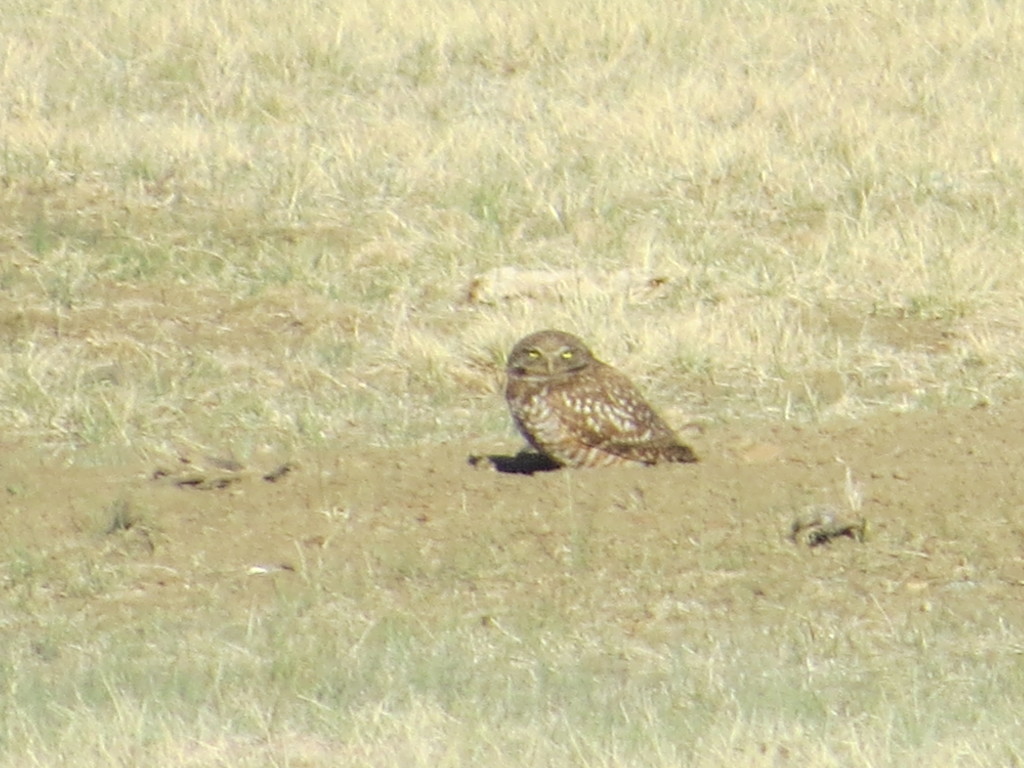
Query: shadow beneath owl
point(522, 463)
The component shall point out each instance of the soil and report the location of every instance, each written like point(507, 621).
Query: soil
point(898, 512)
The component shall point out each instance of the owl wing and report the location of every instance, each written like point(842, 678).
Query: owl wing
point(615, 418)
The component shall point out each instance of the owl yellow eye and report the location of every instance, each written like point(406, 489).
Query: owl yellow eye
point(533, 353)
point(567, 355)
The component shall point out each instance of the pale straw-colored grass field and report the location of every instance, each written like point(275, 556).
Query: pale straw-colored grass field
point(253, 226)
point(227, 220)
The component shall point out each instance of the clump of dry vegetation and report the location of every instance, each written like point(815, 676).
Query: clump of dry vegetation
point(245, 228)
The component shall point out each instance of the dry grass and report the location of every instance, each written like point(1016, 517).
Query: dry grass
point(264, 220)
point(253, 226)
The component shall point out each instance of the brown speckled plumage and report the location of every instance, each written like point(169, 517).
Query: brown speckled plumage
point(581, 412)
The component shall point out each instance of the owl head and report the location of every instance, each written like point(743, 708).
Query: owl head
point(548, 354)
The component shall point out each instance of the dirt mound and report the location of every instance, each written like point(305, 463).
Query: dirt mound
point(921, 505)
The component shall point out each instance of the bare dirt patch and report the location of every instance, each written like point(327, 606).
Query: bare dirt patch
point(938, 494)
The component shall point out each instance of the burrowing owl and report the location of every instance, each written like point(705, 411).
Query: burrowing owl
point(581, 412)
